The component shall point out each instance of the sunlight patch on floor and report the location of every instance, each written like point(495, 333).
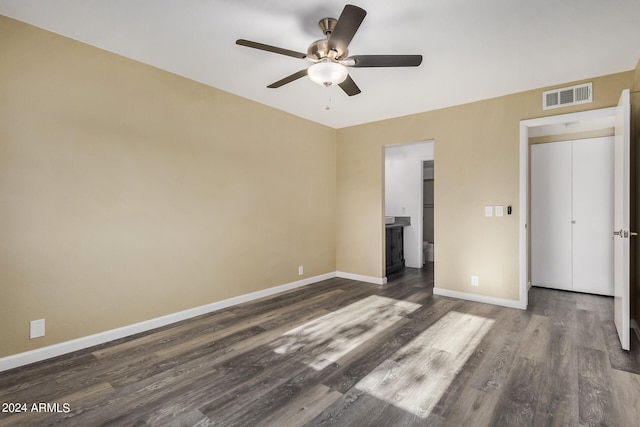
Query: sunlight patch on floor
point(324, 340)
point(417, 375)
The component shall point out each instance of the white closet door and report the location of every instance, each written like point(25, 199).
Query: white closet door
point(551, 215)
point(593, 215)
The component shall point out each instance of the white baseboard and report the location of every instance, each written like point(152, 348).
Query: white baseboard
point(361, 278)
point(479, 298)
point(55, 350)
point(636, 328)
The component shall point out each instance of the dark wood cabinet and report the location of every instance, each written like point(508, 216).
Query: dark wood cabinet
point(395, 248)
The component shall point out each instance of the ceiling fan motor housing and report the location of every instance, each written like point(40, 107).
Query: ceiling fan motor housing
point(319, 49)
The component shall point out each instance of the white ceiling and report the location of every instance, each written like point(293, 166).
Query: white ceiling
point(472, 49)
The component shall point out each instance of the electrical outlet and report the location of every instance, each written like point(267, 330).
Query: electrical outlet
point(475, 280)
point(36, 329)
point(300, 270)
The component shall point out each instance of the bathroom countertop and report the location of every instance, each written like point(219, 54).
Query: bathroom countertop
point(401, 221)
point(395, 225)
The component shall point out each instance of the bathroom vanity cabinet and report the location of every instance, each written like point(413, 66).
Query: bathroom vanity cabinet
point(394, 248)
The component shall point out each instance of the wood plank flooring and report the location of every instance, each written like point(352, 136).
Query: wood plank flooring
point(346, 353)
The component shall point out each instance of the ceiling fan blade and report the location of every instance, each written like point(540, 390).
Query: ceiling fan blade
point(346, 27)
point(350, 87)
point(384, 61)
point(288, 79)
point(269, 48)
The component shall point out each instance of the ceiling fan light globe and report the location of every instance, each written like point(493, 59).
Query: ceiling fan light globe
point(327, 73)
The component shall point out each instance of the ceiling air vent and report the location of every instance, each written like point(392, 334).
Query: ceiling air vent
point(563, 97)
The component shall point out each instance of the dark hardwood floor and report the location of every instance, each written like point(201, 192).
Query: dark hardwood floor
point(346, 353)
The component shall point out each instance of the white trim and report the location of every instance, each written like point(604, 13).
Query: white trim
point(479, 298)
point(523, 250)
point(581, 116)
point(636, 328)
point(361, 278)
point(59, 349)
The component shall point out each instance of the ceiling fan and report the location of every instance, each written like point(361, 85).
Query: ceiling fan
point(330, 56)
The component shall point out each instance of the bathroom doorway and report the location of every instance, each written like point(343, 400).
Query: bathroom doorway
point(404, 188)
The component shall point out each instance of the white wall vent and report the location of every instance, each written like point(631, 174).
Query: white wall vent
point(563, 97)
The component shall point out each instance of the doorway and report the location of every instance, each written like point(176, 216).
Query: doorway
point(553, 125)
point(404, 192)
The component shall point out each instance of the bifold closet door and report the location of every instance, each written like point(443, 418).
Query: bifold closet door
point(551, 215)
point(572, 215)
point(593, 215)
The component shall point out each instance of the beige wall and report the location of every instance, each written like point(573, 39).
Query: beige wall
point(476, 158)
point(128, 193)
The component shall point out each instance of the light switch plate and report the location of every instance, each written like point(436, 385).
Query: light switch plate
point(488, 211)
point(499, 210)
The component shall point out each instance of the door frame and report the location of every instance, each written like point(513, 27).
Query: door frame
point(525, 213)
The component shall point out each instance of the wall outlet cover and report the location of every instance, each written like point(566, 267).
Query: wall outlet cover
point(488, 211)
point(499, 210)
point(36, 329)
point(300, 270)
point(475, 280)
